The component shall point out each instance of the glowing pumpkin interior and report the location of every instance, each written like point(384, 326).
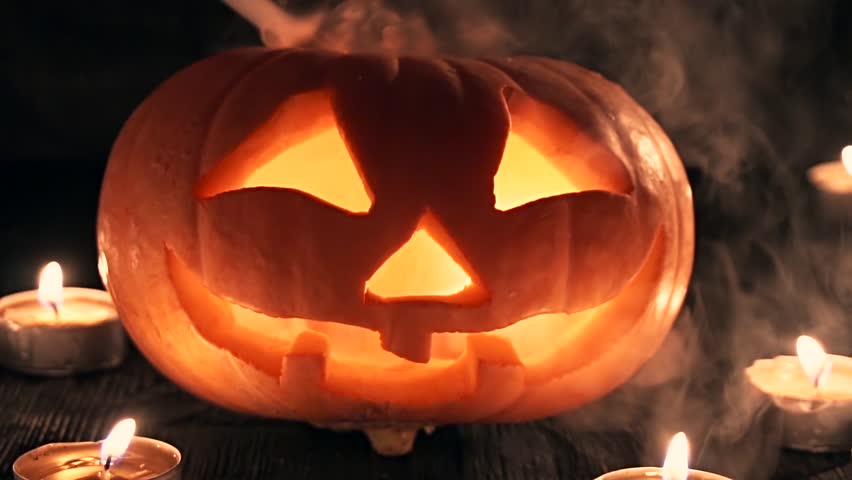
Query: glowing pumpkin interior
point(300, 147)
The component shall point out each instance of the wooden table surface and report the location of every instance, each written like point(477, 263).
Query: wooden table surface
point(217, 444)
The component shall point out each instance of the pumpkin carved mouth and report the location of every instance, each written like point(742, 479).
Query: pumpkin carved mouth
point(350, 361)
point(424, 312)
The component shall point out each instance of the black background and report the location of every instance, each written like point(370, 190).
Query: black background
point(751, 93)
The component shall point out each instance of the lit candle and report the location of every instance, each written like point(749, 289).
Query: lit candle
point(675, 466)
point(59, 330)
point(121, 456)
point(114, 446)
point(814, 391)
point(836, 176)
point(834, 182)
point(54, 308)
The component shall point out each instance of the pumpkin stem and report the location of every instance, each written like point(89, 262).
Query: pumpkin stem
point(390, 441)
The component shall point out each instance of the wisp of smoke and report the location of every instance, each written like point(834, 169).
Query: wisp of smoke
point(462, 27)
point(732, 84)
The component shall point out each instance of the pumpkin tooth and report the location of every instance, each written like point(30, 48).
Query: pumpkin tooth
point(307, 360)
point(495, 375)
point(492, 349)
point(496, 371)
point(412, 345)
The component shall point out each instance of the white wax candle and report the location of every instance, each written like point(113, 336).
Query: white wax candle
point(675, 466)
point(76, 311)
point(831, 177)
point(652, 473)
point(53, 304)
point(834, 177)
point(783, 376)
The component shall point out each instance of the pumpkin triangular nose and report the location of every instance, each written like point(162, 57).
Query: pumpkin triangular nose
point(428, 266)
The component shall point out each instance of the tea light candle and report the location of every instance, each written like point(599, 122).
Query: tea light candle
point(58, 330)
point(121, 456)
point(834, 182)
point(675, 466)
point(814, 391)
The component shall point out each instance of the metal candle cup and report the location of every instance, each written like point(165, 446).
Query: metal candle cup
point(813, 419)
point(145, 459)
point(84, 335)
point(651, 473)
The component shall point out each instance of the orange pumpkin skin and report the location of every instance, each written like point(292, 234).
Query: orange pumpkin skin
point(255, 298)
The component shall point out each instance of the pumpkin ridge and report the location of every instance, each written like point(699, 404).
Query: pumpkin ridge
point(567, 73)
point(267, 57)
point(581, 116)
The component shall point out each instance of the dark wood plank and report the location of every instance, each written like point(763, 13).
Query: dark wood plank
point(218, 444)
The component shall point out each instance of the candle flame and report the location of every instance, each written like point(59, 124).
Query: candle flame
point(846, 158)
point(116, 443)
point(676, 465)
point(50, 286)
point(815, 362)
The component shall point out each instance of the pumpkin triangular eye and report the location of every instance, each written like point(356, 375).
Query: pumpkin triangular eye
point(321, 167)
point(526, 175)
point(420, 268)
point(548, 154)
point(298, 148)
point(428, 266)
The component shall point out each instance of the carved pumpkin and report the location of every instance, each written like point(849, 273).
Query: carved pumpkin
point(378, 240)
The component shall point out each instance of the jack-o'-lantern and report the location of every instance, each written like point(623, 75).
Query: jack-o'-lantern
point(389, 242)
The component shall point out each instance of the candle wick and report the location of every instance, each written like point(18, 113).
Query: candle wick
point(108, 463)
point(55, 307)
point(819, 375)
